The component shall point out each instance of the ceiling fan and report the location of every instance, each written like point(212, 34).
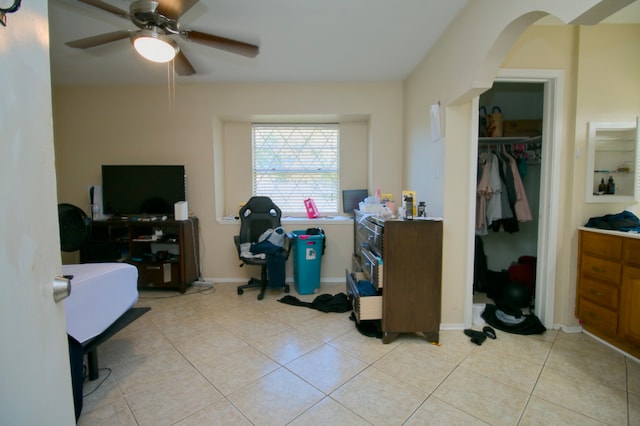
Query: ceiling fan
point(158, 23)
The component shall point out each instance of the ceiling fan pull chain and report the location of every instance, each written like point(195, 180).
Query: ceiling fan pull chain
point(171, 85)
point(169, 64)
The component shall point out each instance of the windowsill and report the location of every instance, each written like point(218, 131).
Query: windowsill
point(328, 220)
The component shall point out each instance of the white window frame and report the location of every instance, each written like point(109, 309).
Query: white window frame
point(298, 171)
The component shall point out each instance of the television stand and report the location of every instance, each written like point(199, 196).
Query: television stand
point(166, 252)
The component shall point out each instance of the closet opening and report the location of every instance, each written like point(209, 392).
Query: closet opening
point(509, 185)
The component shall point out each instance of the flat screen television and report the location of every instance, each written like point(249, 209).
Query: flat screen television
point(129, 190)
point(351, 199)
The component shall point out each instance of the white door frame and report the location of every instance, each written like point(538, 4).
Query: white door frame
point(549, 189)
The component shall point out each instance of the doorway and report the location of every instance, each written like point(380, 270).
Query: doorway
point(544, 235)
point(506, 249)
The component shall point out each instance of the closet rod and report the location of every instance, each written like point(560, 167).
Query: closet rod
point(510, 140)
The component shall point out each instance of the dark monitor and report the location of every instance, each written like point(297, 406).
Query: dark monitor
point(351, 199)
point(142, 189)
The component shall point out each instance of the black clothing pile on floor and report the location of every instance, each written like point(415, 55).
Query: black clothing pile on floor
point(369, 328)
point(510, 297)
point(324, 302)
point(337, 303)
point(523, 324)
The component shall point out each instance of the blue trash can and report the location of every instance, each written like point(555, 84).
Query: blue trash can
point(307, 255)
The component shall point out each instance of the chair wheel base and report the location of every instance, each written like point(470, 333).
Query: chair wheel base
point(255, 283)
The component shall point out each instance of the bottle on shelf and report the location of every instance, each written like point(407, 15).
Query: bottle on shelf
point(611, 186)
point(422, 209)
point(602, 188)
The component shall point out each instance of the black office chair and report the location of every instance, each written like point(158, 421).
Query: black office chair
point(256, 216)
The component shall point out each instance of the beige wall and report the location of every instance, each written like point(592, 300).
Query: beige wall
point(550, 47)
point(207, 129)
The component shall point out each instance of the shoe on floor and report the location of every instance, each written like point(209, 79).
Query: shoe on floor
point(489, 332)
point(477, 337)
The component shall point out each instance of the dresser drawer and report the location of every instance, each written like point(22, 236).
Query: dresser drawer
point(609, 246)
point(598, 317)
point(364, 307)
point(368, 235)
point(631, 254)
point(599, 293)
point(600, 269)
point(372, 267)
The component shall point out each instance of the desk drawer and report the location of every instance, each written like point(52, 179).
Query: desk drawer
point(599, 293)
point(598, 317)
point(364, 307)
point(601, 269)
point(601, 244)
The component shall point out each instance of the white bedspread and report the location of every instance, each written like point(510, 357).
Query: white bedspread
point(100, 294)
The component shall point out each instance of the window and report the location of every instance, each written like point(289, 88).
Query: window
point(297, 161)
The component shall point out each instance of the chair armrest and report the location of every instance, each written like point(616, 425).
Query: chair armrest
point(236, 241)
point(289, 237)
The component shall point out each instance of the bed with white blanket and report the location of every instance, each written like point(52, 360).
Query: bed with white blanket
point(101, 303)
point(100, 294)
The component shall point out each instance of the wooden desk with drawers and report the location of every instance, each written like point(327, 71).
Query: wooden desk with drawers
point(608, 292)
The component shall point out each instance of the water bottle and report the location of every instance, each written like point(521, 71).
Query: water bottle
point(408, 205)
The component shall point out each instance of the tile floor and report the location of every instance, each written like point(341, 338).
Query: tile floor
point(212, 357)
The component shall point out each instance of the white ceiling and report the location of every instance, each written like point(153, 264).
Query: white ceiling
point(299, 40)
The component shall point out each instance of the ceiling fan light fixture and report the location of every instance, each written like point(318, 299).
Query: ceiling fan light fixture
point(154, 47)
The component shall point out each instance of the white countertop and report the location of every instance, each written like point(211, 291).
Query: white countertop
point(606, 231)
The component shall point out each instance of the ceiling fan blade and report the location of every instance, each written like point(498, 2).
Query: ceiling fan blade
point(182, 64)
point(233, 46)
point(107, 7)
point(85, 43)
point(174, 9)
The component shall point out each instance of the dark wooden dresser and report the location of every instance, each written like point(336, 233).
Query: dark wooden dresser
point(403, 260)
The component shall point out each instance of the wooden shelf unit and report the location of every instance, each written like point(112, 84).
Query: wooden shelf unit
point(166, 252)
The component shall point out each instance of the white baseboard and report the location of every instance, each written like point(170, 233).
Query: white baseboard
point(611, 346)
point(452, 326)
point(568, 329)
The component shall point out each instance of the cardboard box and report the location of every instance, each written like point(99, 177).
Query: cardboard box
point(522, 128)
